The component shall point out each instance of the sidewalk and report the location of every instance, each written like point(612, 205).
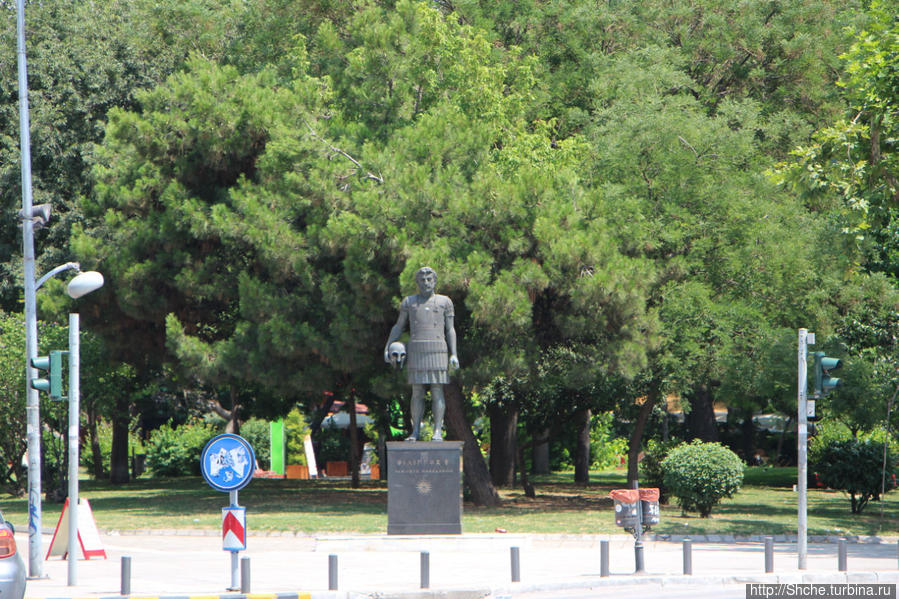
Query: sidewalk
point(468, 566)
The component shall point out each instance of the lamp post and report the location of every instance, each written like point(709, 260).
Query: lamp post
point(81, 285)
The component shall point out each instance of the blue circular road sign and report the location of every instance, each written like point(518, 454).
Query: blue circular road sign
point(227, 462)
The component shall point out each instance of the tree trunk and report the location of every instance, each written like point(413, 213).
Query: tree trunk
point(582, 450)
point(354, 440)
point(233, 425)
point(747, 428)
point(118, 459)
point(96, 452)
point(540, 455)
point(503, 429)
point(701, 421)
point(636, 440)
point(475, 473)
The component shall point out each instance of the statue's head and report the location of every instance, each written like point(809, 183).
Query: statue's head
point(426, 279)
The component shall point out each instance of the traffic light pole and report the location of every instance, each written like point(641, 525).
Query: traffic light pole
point(802, 430)
point(32, 402)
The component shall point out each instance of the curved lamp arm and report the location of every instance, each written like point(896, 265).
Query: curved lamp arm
point(61, 268)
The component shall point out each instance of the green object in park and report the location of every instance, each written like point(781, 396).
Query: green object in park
point(824, 383)
point(279, 446)
point(53, 365)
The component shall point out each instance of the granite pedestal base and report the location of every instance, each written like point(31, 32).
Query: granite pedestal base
point(424, 487)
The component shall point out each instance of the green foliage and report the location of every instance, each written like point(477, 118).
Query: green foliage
point(855, 467)
point(258, 434)
point(701, 474)
point(651, 466)
point(331, 445)
point(296, 429)
point(605, 448)
point(176, 451)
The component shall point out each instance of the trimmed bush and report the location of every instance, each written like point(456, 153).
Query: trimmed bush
point(701, 474)
point(176, 451)
point(852, 466)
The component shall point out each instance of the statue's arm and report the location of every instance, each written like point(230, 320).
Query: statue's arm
point(451, 340)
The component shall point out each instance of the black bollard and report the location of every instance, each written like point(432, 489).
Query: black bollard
point(126, 575)
point(769, 554)
point(516, 564)
point(688, 557)
point(245, 575)
point(603, 558)
point(425, 570)
point(842, 555)
point(332, 572)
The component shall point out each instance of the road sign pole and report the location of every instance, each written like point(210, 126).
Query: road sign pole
point(235, 561)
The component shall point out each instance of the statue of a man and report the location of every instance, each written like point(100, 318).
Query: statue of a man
point(431, 349)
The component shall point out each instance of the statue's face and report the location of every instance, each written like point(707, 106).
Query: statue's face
point(427, 282)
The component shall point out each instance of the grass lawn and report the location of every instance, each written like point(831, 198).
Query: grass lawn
point(765, 505)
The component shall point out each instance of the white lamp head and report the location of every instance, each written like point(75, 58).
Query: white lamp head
point(84, 283)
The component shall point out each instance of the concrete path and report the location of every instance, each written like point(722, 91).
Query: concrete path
point(166, 563)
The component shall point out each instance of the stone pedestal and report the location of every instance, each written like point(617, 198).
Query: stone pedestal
point(424, 487)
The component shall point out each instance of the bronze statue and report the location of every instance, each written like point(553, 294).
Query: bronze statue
point(431, 349)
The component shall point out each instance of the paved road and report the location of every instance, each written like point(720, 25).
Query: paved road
point(461, 567)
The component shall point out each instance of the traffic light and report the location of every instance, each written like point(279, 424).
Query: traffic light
point(53, 365)
point(824, 383)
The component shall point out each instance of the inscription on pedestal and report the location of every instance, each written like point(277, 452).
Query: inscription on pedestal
point(424, 487)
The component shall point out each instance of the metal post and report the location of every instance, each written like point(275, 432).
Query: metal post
point(603, 558)
point(332, 572)
point(802, 429)
point(235, 557)
point(126, 575)
point(245, 575)
point(516, 564)
point(842, 555)
point(638, 535)
point(74, 423)
point(425, 570)
point(688, 557)
point(769, 555)
point(32, 402)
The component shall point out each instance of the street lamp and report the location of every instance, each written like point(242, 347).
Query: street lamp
point(81, 285)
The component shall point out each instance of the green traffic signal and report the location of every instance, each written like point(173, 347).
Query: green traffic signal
point(824, 383)
point(53, 365)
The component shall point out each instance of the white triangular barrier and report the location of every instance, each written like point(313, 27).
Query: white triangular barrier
point(88, 535)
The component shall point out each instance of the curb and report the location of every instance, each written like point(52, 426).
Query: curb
point(511, 590)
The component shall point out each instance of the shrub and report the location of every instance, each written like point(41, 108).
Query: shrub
point(701, 474)
point(258, 434)
point(853, 466)
point(176, 451)
point(296, 429)
point(605, 449)
point(651, 466)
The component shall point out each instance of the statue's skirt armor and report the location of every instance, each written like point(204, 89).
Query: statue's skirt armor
point(427, 362)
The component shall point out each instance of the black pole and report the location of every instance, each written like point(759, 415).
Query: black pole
point(516, 564)
point(688, 557)
point(603, 558)
point(638, 535)
point(332, 572)
point(126, 575)
point(425, 570)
